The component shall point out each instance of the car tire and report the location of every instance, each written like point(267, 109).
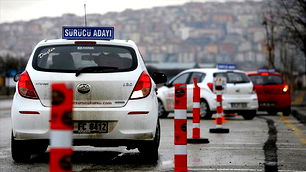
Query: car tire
point(19, 150)
point(162, 113)
point(205, 112)
point(150, 149)
point(272, 112)
point(287, 111)
point(249, 115)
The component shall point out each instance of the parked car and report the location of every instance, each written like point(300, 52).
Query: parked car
point(272, 91)
point(120, 95)
point(239, 96)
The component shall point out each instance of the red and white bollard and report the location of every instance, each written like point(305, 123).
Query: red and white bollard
point(196, 130)
point(180, 128)
point(61, 126)
point(219, 117)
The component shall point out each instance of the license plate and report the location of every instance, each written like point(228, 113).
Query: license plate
point(239, 105)
point(267, 104)
point(90, 127)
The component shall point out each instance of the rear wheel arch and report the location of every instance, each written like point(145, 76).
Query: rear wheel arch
point(204, 100)
point(162, 112)
point(160, 100)
point(208, 111)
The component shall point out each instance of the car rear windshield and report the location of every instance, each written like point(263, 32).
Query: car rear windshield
point(266, 79)
point(233, 77)
point(73, 58)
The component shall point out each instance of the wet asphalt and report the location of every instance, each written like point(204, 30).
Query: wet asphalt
point(266, 143)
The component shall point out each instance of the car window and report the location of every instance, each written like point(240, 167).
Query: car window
point(233, 77)
point(200, 77)
point(266, 79)
point(71, 58)
point(181, 79)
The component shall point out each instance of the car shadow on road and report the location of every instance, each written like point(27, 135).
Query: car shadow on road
point(102, 158)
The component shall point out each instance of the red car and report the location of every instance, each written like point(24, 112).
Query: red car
point(272, 91)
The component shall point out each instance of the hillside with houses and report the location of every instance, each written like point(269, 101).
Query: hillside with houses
point(210, 32)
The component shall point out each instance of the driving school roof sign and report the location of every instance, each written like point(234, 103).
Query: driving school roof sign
point(227, 66)
point(84, 33)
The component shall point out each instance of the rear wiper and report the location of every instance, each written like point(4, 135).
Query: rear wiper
point(94, 69)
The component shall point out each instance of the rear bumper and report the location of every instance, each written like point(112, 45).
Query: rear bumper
point(273, 102)
point(124, 126)
point(250, 103)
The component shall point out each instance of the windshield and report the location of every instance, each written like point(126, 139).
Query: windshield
point(233, 77)
point(73, 58)
point(266, 79)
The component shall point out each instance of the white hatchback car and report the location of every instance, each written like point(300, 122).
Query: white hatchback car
point(239, 96)
point(119, 93)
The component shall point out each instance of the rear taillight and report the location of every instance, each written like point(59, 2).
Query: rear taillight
point(143, 87)
point(210, 86)
point(286, 88)
point(25, 86)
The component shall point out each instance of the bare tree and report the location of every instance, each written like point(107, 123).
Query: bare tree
point(287, 61)
point(12, 63)
point(285, 24)
point(291, 20)
point(270, 25)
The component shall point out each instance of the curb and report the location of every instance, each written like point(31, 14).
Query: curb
point(298, 114)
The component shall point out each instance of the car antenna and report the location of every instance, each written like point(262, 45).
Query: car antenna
point(85, 20)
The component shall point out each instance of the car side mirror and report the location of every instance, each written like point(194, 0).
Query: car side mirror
point(159, 78)
point(16, 77)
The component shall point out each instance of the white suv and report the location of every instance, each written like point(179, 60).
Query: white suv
point(239, 96)
point(119, 94)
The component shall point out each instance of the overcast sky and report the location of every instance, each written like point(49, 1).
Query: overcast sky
point(14, 10)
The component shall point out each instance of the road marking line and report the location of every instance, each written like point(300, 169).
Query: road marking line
point(290, 171)
point(299, 133)
point(237, 169)
point(297, 149)
point(235, 148)
point(223, 169)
